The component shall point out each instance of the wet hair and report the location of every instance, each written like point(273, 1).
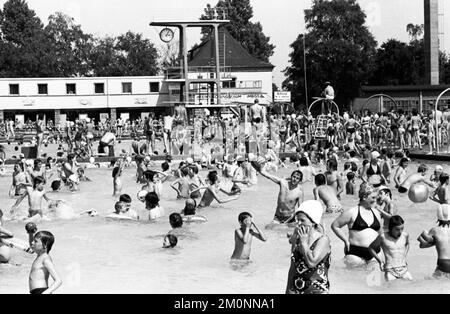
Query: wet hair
point(151, 200)
point(403, 160)
point(173, 240)
point(243, 216)
point(351, 176)
point(56, 185)
point(182, 164)
point(390, 154)
point(149, 175)
point(443, 178)
point(395, 221)
point(388, 192)
point(320, 179)
point(175, 220)
point(354, 167)
point(165, 166)
point(304, 162)
point(46, 238)
point(299, 173)
point(212, 177)
point(422, 168)
point(184, 171)
point(189, 209)
point(125, 198)
point(37, 162)
point(38, 180)
point(365, 162)
point(352, 153)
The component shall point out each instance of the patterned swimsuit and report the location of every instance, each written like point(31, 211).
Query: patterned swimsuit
point(308, 280)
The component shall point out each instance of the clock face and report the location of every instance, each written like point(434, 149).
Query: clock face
point(166, 35)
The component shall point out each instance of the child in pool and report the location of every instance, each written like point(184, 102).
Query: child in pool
point(43, 267)
point(441, 194)
point(243, 237)
point(350, 186)
point(386, 206)
point(170, 241)
point(189, 212)
point(395, 246)
point(116, 174)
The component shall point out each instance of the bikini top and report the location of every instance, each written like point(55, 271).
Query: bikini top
point(360, 224)
point(371, 172)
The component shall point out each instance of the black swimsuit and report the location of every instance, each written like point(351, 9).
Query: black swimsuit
point(360, 225)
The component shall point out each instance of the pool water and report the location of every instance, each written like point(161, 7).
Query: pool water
point(95, 255)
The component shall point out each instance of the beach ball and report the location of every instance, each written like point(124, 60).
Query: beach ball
point(5, 254)
point(418, 193)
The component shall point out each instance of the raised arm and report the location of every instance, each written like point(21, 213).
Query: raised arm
point(257, 233)
point(272, 178)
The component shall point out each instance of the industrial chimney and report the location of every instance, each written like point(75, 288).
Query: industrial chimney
point(431, 42)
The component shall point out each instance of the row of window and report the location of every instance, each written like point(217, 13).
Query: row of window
point(242, 84)
point(71, 89)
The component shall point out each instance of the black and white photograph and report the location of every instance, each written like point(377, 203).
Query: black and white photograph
point(224, 151)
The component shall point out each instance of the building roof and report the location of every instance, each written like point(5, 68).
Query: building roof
point(235, 55)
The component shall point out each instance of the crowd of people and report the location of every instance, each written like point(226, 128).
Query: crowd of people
point(336, 155)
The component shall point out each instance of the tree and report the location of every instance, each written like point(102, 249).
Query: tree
point(26, 50)
point(71, 46)
point(250, 35)
point(339, 49)
point(136, 56)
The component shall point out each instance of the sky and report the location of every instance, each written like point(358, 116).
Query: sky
point(282, 20)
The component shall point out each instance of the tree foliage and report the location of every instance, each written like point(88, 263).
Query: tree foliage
point(339, 49)
point(249, 34)
point(62, 49)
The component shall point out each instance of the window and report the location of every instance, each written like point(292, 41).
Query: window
point(127, 88)
point(99, 88)
point(42, 89)
point(14, 89)
point(71, 89)
point(230, 84)
point(257, 84)
point(154, 87)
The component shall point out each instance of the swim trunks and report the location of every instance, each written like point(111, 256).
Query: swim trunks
point(38, 291)
point(361, 252)
point(397, 272)
point(443, 265)
point(336, 208)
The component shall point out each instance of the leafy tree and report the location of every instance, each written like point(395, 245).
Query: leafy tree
point(249, 34)
point(71, 46)
point(104, 58)
point(26, 48)
point(339, 49)
point(136, 56)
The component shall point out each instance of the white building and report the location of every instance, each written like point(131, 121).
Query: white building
point(243, 78)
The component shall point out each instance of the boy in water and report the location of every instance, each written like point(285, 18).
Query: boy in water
point(35, 197)
point(401, 174)
point(437, 173)
point(43, 267)
point(439, 237)
point(243, 237)
point(350, 186)
point(327, 194)
point(170, 241)
point(441, 194)
point(415, 178)
point(386, 206)
point(395, 246)
point(116, 174)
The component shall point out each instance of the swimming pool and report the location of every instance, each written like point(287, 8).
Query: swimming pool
point(94, 255)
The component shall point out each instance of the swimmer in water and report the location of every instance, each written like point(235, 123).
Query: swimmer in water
point(4, 234)
point(189, 212)
point(326, 194)
point(400, 173)
point(116, 174)
point(415, 178)
point(212, 192)
point(395, 246)
point(170, 241)
point(243, 237)
point(441, 194)
point(439, 237)
point(35, 196)
point(290, 195)
point(386, 206)
point(43, 266)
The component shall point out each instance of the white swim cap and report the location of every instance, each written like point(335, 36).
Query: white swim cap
point(375, 155)
point(91, 160)
point(439, 168)
point(189, 160)
point(313, 209)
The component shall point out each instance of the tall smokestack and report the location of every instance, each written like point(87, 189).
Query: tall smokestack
point(431, 42)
